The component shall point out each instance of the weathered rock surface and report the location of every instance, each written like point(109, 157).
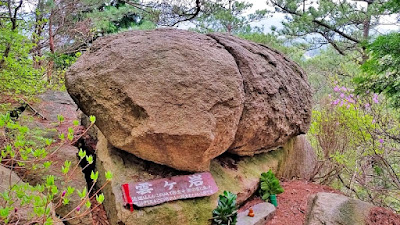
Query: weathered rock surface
point(53, 103)
point(8, 179)
point(238, 175)
point(180, 98)
point(172, 97)
point(336, 209)
point(277, 102)
point(262, 213)
point(300, 160)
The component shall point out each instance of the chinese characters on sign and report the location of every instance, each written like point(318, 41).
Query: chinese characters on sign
point(159, 191)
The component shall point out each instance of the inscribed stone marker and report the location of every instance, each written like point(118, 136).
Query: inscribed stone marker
point(158, 191)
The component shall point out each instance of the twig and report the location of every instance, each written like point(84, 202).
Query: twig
point(33, 109)
point(80, 136)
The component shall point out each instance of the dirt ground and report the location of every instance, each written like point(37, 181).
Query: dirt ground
point(292, 204)
point(383, 216)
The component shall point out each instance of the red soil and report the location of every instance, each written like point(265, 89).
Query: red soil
point(292, 204)
point(383, 216)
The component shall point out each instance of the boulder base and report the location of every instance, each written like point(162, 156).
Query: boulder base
point(238, 175)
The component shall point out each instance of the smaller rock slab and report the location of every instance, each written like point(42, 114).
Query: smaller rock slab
point(158, 191)
point(262, 213)
point(336, 209)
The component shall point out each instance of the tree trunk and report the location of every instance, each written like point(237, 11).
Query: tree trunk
point(51, 45)
point(366, 29)
point(229, 26)
point(37, 51)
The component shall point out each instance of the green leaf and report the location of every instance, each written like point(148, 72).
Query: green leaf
point(50, 180)
point(108, 175)
point(100, 198)
point(75, 122)
point(49, 221)
point(83, 193)
point(47, 164)
point(88, 204)
point(61, 136)
point(5, 212)
point(81, 154)
point(66, 167)
point(94, 175)
point(70, 190)
point(66, 201)
point(70, 136)
point(60, 118)
point(40, 188)
point(89, 159)
point(54, 189)
point(92, 119)
point(48, 142)
point(265, 197)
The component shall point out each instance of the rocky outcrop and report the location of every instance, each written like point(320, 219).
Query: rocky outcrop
point(336, 209)
point(180, 98)
point(239, 175)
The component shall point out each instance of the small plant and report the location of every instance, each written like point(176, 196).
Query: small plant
point(21, 151)
point(270, 187)
point(226, 212)
point(60, 119)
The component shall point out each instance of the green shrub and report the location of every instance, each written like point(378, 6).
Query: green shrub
point(226, 212)
point(17, 74)
point(269, 185)
point(357, 142)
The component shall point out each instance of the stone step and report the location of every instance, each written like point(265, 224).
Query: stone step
point(262, 213)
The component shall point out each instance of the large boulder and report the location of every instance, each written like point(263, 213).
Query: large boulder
point(336, 209)
point(239, 175)
point(171, 97)
point(176, 97)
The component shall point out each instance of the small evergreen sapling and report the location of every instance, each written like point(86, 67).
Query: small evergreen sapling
point(226, 212)
point(269, 185)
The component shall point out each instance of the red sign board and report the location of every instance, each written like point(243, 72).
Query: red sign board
point(158, 191)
